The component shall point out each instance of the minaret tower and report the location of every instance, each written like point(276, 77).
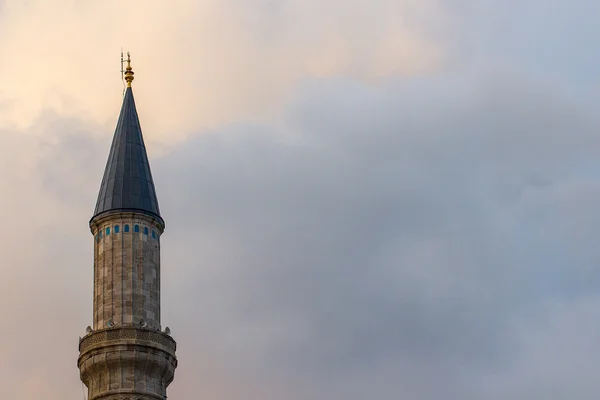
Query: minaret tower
point(125, 355)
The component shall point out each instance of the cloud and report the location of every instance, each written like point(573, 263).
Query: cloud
point(427, 236)
point(335, 229)
point(377, 238)
point(200, 64)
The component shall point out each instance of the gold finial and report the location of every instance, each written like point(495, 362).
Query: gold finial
point(128, 71)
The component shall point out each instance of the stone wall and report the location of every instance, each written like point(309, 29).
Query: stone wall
point(126, 271)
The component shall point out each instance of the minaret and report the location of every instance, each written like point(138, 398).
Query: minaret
point(125, 355)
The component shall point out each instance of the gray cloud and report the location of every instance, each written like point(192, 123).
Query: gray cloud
point(388, 233)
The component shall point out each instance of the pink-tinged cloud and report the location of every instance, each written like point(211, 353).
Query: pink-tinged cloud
point(200, 64)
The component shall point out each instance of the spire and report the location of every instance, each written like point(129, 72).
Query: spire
point(127, 184)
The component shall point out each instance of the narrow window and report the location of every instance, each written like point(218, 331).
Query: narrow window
point(108, 231)
point(97, 239)
point(116, 228)
point(136, 228)
point(145, 230)
point(153, 235)
point(100, 234)
point(126, 228)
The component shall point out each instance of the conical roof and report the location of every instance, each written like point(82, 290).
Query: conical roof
point(127, 184)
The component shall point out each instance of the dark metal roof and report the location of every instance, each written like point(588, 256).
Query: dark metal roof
point(127, 183)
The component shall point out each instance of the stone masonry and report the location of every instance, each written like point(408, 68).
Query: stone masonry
point(127, 271)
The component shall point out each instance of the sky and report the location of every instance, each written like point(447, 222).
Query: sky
point(374, 199)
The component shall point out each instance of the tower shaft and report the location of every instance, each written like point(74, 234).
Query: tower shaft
point(126, 271)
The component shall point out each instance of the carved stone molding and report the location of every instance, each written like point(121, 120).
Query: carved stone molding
point(127, 396)
point(106, 336)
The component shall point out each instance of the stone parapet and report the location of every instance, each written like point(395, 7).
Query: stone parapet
point(106, 336)
point(127, 364)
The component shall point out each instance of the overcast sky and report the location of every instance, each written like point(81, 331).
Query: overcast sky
point(364, 199)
